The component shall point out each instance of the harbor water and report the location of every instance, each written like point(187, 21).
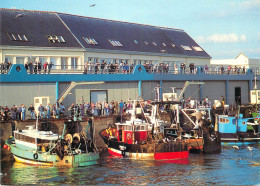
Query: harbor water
point(230, 167)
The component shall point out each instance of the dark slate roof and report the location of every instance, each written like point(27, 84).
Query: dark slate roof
point(102, 30)
point(35, 25)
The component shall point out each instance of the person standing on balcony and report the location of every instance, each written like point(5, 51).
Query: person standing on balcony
point(217, 69)
point(26, 66)
point(49, 67)
point(45, 66)
point(39, 67)
point(222, 69)
point(206, 69)
point(31, 67)
point(244, 69)
point(35, 67)
point(229, 69)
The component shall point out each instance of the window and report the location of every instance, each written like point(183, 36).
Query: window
point(90, 41)
point(115, 43)
point(64, 63)
point(74, 63)
point(20, 60)
point(17, 37)
point(136, 42)
point(164, 44)
point(42, 59)
point(197, 48)
point(146, 42)
point(224, 120)
point(154, 43)
point(186, 47)
point(55, 39)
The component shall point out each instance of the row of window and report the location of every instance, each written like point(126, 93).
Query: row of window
point(92, 41)
point(17, 37)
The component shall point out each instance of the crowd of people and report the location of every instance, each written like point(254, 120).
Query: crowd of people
point(19, 113)
point(88, 109)
point(5, 67)
point(38, 68)
point(124, 68)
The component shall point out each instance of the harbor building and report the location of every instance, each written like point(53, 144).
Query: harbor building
point(241, 60)
point(130, 60)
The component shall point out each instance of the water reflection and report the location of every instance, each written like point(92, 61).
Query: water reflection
point(229, 167)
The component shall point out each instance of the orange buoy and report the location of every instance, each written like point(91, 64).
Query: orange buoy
point(5, 146)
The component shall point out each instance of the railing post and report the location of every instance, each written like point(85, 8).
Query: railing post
point(160, 91)
point(227, 90)
point(57, 90)
point(140, 88)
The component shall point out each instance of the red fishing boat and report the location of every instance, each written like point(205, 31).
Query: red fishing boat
point(140, 139)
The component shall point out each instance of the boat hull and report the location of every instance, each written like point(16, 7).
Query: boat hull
point(154, 151)
point(47, 159)
point(233, 138)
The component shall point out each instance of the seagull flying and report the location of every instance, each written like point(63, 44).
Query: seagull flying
point(19, 15)
point(92, 5)
point(236, 147)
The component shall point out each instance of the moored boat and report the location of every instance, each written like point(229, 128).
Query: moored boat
point(43, 147)
point(139, 139)
point(237, 130)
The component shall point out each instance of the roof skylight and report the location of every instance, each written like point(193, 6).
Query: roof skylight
point(135, 41)
point(164, 44)
point(197, 48)
point(55, 39)
point(115, 43)
point(90, 41)
point(155, 44)
point(186, 47)
point(17, 37)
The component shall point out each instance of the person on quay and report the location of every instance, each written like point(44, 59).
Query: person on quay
point(48, 109)
point(41, 111)
point(31, 109)
point(23, 112)
point(62, 110)
point(13, 112)
point(121, 107)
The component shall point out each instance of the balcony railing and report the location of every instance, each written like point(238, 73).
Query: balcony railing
point(116, 69)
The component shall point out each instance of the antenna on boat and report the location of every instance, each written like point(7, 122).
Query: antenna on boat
point(36, 127)
point(157, 92)
point(255, 87)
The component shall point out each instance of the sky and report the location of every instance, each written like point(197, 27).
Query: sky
point(223, 28)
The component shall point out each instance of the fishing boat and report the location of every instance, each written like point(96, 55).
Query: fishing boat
point(73, 148)
point(236, 129)
point(139, 139)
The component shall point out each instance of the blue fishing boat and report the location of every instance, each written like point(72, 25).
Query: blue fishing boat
point(235, 130)
point(43, 147)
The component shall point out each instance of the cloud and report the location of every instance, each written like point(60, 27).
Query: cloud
point(251, 4)
point(222, 38)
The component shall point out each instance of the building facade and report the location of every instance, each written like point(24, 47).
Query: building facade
point(142, 56)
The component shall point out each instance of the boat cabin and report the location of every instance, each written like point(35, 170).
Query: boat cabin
point(31, 139)
point(132, 133)
point(230, 124)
